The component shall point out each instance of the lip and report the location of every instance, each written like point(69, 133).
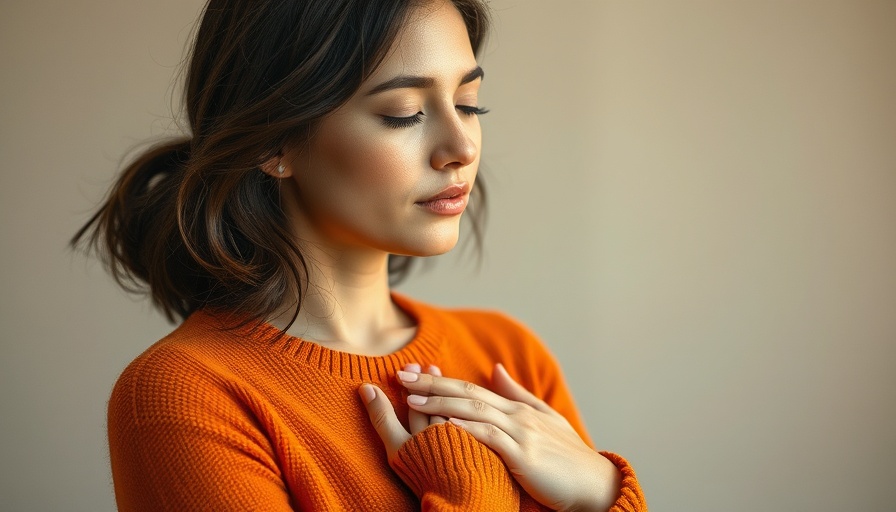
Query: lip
point(449, 192)
point(449, 202)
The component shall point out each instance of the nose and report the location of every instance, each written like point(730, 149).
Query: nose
point(457, 145)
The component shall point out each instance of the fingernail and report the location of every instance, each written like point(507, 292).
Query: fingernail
point(434, 370)
point(408, 376)
point(412, 367)
point(416, 400)
point(367, 393)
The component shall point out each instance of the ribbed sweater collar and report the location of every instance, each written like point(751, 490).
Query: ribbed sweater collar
point(424, 347)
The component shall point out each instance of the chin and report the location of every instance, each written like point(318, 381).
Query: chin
point(429, 245)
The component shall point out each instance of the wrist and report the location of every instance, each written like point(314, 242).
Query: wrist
point(603, 487)
point(445, 464)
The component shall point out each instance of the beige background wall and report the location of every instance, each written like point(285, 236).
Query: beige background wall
point(694, 203)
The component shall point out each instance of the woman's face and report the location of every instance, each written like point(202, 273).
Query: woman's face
point(410, 132)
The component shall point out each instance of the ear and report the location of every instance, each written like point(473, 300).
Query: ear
point(277, 167)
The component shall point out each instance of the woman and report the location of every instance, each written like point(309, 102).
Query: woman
point(330, 140)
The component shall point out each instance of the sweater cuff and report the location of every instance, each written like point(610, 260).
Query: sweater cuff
point(448, 469)
point(631, 498)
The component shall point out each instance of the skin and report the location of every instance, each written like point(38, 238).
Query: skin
point(536, 442)
point(351, 196)
point(351, 192)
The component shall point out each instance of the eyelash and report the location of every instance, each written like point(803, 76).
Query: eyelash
point(407, 122)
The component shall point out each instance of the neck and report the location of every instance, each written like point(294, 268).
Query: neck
point(347, 305)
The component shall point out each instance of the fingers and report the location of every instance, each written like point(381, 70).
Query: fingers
point(417, 420)
point(465, 409)
point(493, 437)
point(383, 418)
point(436, 372)
point(509, 388)
point(426, 385)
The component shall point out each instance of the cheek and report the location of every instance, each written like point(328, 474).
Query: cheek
point(368, 157)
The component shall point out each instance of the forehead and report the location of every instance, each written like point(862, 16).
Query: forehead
point(433, 42)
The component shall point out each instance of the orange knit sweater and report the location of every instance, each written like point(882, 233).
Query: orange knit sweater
point(243, 421)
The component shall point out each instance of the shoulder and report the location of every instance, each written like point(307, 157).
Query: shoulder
point(481, 321)
point(499, 328)
point(500, 338)
point(481, 325)
point(490, 322)
point(495, 336)
point(180, 373)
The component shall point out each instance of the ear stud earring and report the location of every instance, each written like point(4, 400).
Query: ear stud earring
point(280, 169)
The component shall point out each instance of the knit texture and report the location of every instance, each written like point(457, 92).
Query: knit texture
point(244, 420)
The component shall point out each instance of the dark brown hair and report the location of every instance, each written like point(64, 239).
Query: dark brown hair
point(193, 221)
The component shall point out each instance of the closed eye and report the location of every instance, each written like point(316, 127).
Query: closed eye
point(472, 111)
point(403, 122)
point(409, 121)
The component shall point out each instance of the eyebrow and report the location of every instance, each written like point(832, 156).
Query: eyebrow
point(421, 82)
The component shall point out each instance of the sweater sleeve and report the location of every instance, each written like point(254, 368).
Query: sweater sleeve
point(171, 450)
point(541, 373)
point(449, 470)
